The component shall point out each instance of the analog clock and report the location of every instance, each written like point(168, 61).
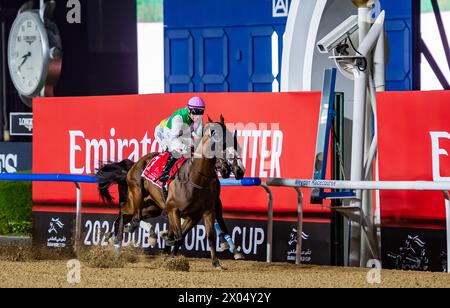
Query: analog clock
point(34, 55)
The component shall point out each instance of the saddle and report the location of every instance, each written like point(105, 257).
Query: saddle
point(155, 167)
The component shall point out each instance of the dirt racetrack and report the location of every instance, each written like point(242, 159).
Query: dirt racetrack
point(238, 274)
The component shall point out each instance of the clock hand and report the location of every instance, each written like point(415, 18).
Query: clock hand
point(25, 58)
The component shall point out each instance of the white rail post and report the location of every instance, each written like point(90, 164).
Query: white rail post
point(269, 223)
point(298, 254)
point(78, 218)
point(358, 134)
point(447, 212)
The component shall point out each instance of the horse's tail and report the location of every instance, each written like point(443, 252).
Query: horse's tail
point(113, 173)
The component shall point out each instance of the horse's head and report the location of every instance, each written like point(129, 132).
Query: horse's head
point(233, 157)
point(223, 167)
point(225, 147)
point(208, 146)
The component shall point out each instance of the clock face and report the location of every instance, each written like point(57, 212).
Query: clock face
point(27, 54)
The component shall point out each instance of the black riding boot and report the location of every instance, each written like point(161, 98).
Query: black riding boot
point(165, 174)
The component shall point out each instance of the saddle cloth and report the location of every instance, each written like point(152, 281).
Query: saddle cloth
point(155, 168)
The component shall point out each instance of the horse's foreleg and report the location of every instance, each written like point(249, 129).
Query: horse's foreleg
point(187, 226)
point(168, 237)
point(222, 229)
point(175, 232)
point(209, 219)
point(225, 239)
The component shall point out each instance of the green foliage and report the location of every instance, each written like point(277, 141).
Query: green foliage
point(15, 207)
point(426, 6)
point(150, 10)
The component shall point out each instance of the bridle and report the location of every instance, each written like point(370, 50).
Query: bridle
point(210, 178)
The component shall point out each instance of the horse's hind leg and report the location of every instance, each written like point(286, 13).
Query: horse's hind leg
point(130, 208)
point(113, 233)
point(115, 230)
point(121, 222)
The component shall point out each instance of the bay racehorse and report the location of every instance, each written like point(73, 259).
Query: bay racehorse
point(192, 195)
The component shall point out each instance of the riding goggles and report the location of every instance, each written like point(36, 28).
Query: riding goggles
point(197, 111)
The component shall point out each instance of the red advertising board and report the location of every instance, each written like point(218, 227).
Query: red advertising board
point(413, 144)
point(277, 133)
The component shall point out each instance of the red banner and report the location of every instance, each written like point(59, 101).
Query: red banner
point(413, 144)
point(277, 133)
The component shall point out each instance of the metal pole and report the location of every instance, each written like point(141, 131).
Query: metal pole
point(357, 157)
point(358, 133)
point(269, 223)
point(298, 253)
point(367, 39)
point(374, 145)
point(337, 220)
point(434, 65)
point(379, 63)
point(5, 69)
point(440, 24)
point(359, 103)
point(358, 126)
point(78, 218)
point(447, 211)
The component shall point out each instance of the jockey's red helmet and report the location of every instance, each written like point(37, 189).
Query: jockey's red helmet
point(196, 103)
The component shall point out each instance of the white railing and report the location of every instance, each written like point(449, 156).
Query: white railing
point(362, 185)
point(248, 182)
point(76, 179)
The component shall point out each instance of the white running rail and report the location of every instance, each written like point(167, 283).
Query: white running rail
point(363, 185)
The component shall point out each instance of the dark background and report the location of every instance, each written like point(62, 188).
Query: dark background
point(99, 54)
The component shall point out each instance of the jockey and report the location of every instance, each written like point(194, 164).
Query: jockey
point(180, 132)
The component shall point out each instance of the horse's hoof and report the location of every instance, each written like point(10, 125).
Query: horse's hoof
point(172, 243)
point(216, 265)
point(163, 234)
point(111, 240)
point(152, 241)
point(108, 236)
point(239, 256)
point(132, 226)
point(145, 225)
point(219, 267)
